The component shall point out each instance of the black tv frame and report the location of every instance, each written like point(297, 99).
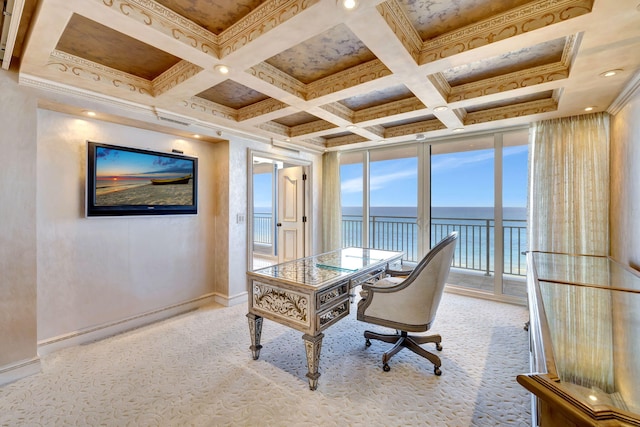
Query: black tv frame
point(93, 209)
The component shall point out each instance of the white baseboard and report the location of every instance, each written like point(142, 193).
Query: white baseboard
point(227, 301)
point(113, 328)
point(16, 371)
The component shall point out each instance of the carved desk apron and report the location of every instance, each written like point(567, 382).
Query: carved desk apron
point(310, 294)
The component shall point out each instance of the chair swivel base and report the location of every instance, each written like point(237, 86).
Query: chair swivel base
point(412, 342)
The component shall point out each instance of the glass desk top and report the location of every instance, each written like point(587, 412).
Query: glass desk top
point(592, 310)
point(585, 270)
point(318, 270)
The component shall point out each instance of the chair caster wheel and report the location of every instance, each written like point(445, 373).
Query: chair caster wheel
point(367, 342)
point(438, 346)
point(437, 371)
point(386, 367)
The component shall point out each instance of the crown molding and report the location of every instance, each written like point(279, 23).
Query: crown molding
point(630, 90)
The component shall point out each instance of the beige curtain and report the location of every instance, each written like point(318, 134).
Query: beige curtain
point(569, 213)
point(569, 185)
point(331, 205)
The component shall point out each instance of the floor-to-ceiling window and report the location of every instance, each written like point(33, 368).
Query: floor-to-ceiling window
point(398, 199)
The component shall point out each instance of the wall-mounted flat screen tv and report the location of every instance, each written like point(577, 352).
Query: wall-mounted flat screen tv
point(131, 181)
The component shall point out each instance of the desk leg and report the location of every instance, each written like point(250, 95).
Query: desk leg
point(313, 345)
point(255, 330)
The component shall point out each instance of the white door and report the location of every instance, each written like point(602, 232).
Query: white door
point(291, 213)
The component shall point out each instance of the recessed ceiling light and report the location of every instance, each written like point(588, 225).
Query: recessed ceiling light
point(287, 139)
point(196, 136)
point(348, 4)
point(221, 68)
point(610, 73)
point(352, 127)
point(589, 108)
point(458, 130)
point(420, 137)
point(441, 108)
point(90, 113)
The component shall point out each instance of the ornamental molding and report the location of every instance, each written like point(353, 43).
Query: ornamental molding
point(110, 78)
point(515, 80)
point(339, 110)
point(401, 26)
point(275, 128)
point(166, 21)
point(517, 110)
point(508, 24)
point(376, 130)
point(264, 18)
point(260, 108)
point(311, 127)
point(270, 74)
point(390, 109)
point(179, 73)
point(418, 127)
point(289, 305)
point(208, 108)
point(359, 74)
point(344, 140)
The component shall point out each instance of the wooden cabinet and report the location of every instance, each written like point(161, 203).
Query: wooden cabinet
point(585, 341)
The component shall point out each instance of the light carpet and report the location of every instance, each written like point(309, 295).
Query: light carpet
point(196, 370)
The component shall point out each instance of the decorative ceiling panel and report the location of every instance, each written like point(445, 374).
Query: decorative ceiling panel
point(215, 16)
point(232, 94)
point(307, 70)
point(521, 59)
point(90, 40)
point(377, 97)
point(323, 55)
point(432, 18)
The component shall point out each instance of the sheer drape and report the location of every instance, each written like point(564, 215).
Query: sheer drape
point(331, 205)
point(569, 185)
point(569, 213)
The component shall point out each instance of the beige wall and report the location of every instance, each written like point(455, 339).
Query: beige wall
point(625, 184)
point(62, 274)
point(93, 271)
point(17, 222)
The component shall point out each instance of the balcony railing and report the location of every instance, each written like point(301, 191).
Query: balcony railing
point(475, 249)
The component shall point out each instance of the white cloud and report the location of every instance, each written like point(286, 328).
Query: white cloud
point(377, 182)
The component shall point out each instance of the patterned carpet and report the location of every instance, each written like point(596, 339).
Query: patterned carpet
point(196, 370)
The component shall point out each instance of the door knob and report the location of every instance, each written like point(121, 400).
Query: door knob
point(279, 224)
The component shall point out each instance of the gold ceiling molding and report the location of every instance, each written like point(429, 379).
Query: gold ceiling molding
point(265, 17)
point(208, 109)
point(270, 74)
point(310, 128)
point(515, 80)
point(344, 140)
point(517, 110)
point(389, 110)
point(166, 21)
point(339, 110)
point(411, 128)
point(359, 74)
point(377, 130)
point(508, 24)
point(260, 108)
point(401, 26)
point(179, 73)
point(275, 128)
point(108, 78)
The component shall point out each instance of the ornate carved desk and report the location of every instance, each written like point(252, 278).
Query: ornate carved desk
point(585, 341)
point(310, 294)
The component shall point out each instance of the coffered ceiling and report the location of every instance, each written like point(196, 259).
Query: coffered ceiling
point(313, 74)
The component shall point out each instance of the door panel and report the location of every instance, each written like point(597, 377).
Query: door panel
point(291, 191)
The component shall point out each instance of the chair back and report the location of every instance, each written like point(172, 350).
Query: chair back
point(412, 304)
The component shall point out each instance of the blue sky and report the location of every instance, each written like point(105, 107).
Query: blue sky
point(458, 179)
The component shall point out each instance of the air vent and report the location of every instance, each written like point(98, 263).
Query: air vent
point(167, 119)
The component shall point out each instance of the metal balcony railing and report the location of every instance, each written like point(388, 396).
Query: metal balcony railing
point(475, 250)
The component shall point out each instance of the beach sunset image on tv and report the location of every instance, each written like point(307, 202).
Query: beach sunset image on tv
point(124, 177)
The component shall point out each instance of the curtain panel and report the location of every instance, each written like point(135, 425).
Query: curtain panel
point(569, 185)
point(331, 204)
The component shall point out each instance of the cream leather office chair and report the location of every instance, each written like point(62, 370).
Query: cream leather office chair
point(409, 304)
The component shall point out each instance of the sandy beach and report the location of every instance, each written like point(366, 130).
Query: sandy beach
point(178, 194)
